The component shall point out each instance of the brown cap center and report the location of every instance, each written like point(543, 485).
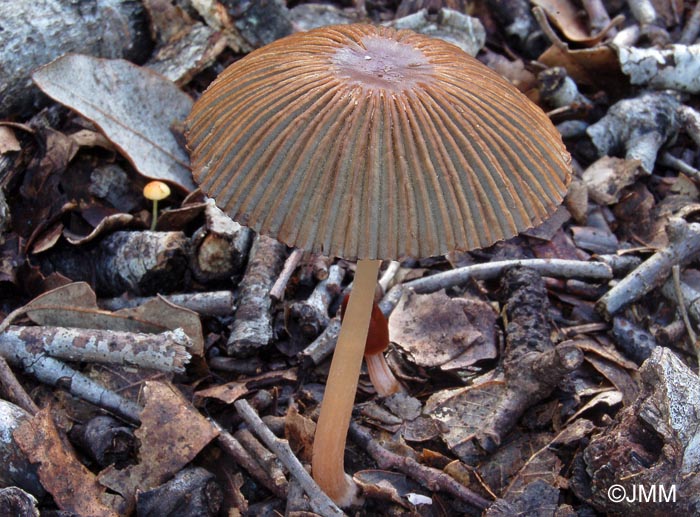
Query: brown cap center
point(382, 63)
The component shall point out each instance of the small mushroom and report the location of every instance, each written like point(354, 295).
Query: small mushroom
point(377, 342)
point(155, 191)
point(360, 141)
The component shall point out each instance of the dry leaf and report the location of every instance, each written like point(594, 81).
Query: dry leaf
point(135, 108)
point(8, 140)
point(606, 177)
point(299, 431)
point(463, 410)
point(74, 488)
point(172, 433)
point(436, 330)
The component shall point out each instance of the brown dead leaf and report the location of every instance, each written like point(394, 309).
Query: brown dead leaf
point(566, 15)
point(608, 176)
point(74, 488)
point(8, 140)
point(299, 431)
point(462, 410)
point(134, 107)
point(436, 330)
point(172, 433)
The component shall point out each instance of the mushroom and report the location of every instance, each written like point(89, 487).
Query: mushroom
point(377, 342)
point(155, 191)
point(361, 141)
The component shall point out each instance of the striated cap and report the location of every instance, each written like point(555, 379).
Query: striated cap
point(359, 141)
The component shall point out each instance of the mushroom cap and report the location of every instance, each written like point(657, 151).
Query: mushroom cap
point(360, 141)
point(156, 190)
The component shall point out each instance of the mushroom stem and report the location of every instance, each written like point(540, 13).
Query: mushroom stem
point(154, 218)
point(327, 463)
point(381, 375)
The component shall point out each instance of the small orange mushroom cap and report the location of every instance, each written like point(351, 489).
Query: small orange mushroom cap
point(156, 190)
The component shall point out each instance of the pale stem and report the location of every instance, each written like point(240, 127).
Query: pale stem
point(154, 219)
point(381, 375)
point(327, 463)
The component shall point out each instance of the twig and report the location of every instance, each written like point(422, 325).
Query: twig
point(212, 303)
point(676, 271)
point(166, 351)
point(312, 314)
point(14, 392)
point(430, 477)
point(243, 458)
point(388, 275)
point(320, 502)
point(280, 285)
point(558, 268)
point(684, 244)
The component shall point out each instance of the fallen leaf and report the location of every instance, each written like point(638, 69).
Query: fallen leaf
point(74, 488)
point(134, 107)
point(436, 330)
point(172, 433)
point(8, 140)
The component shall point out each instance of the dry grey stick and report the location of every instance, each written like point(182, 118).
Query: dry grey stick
point(389, 274)
point(280, 285)
point(323, 346)
point(252, 328)
point(166, 351)
point(684, 244)
point(558, 268)
point(320, 502)
point(210, 303)
point(432, 478)
point(267, 460)
point(56, 373)
point(243, 458)
point(312, 314)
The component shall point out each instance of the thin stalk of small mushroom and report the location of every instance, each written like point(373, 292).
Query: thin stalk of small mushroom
point(327, 463)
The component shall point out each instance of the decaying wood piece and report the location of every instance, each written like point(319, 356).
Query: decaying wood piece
point(559, 90)
point(430, 477)
point(558, 268)
point(220, 248)
point(34, 33)
point(311, 315)
point(640, 126)
point(15, 467)
point(106, 441)
point(320, 502)
point(533, 366)
point(636, 342)
point(34, 361)
point(684, 244)
point(141, 262)
point(675, 67)
point(210, 303)
point(252, 328)
point(655, 445)
point(166, 351)
point(15, 501)
point(192, 491)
